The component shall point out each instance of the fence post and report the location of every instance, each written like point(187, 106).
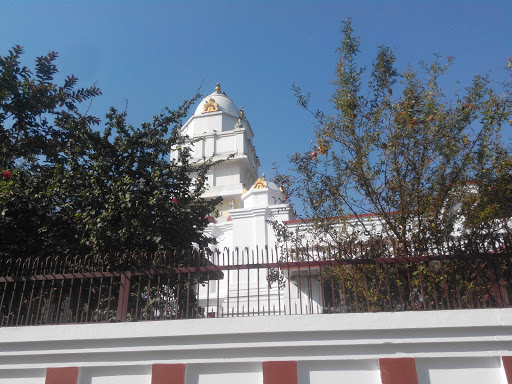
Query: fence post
point(124, 294)
point(498, 284)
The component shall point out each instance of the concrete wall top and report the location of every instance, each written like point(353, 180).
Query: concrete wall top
point(432, 321)
point(438, 347)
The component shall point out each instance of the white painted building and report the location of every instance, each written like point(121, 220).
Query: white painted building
point(219, 130)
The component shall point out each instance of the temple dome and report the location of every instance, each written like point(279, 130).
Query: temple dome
point(222, 101)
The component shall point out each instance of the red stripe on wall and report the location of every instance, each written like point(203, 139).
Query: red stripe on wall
point(67, 375)
point(398, 371)
point(280, 372)
point(168, 374)
point(507, 366)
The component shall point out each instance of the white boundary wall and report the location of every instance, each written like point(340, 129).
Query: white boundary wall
point(463, 346)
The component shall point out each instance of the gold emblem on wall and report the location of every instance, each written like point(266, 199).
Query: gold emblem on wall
point(210, 106)
point(260, 183)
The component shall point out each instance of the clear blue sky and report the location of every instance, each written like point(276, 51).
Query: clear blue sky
point(157, 53)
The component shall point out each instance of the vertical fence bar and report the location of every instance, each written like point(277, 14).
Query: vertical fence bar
point(177, 301)
point(11, 302)
point(411, 292)
point(124, 295)
point(258, 279)
point(289, 291)
point(198, 284)
point(99, 300)
point(48, 308)
point(218, 298)
point(422, 292)
point(400, 289)
point(278, 283)
point(77, 313)
point(445, 287)
point(109, 298)
point(388, 287)
point(2, 299)
point(29, 302)
point(322, 288)
point(20, 304)
point(229, 278)
point(89, 299)
point(165, 312)
point(188, 294)
point(69, 314)
point(354, 282)
point(148, 294)
point(268, 283)
point(310, 285)
point(434, 290)
point(57, 312)
point(249, 283)
point(300, 289)
point(366, 293)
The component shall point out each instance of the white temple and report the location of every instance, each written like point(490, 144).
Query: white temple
point(219, 129)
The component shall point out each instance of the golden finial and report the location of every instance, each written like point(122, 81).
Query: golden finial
point(260, 183)
point(241, 115)
point(217, 88)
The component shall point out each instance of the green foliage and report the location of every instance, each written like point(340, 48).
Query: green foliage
point(438, 284)
point(401, 149)
point(73, 190)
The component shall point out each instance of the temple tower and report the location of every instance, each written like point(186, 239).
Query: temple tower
point(219, 130)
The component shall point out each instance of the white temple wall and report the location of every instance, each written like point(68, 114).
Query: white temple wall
point(222, 144)
point(228, 122)
point(226, 174)
point(463, 346)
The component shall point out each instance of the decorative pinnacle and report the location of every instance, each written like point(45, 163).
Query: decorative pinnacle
point(217, 88)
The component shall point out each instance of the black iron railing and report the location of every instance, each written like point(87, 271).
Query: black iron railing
point(244, 283)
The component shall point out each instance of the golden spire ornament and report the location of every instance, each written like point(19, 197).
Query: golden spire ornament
point(260, 183)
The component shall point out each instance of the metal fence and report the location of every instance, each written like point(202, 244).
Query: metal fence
point(245, 283)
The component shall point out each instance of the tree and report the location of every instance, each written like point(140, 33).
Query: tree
point(403, 150)
point(68, 189)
